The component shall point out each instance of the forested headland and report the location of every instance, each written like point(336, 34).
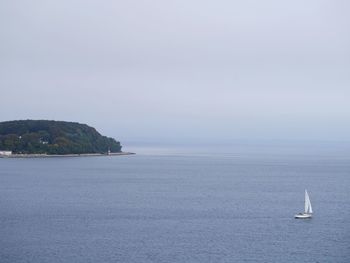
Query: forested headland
point(53, 137)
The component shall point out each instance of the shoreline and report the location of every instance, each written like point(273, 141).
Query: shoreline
point(64, 155)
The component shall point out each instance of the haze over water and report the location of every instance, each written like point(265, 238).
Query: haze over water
point(177, 205)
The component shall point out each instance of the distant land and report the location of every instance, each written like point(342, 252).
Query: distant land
point(46, 137)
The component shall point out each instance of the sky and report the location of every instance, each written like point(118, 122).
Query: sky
point(181, 70)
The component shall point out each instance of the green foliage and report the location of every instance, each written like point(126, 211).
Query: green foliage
point(53, 137)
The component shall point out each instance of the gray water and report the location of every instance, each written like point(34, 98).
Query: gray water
point(184, 206)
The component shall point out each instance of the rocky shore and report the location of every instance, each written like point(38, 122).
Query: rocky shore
point(64, 155)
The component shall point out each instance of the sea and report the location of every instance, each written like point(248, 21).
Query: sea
point(200, 203)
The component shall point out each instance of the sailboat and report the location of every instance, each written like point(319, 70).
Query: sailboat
point(308, 208)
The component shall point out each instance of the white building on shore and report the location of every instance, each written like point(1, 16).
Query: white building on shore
point(5, 153)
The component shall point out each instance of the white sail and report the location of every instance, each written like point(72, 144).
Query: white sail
point(308, 207)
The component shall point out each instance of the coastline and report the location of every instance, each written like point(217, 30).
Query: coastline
point(64, 155)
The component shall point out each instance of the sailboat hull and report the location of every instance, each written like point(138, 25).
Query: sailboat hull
point(303, 216)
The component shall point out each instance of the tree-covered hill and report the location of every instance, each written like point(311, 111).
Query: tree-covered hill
point(53, 137)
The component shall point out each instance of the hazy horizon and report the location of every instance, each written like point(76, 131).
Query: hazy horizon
point(180, 70)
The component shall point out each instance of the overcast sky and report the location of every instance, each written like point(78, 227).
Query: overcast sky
point(180, 70)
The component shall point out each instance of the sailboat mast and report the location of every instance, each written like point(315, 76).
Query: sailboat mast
point(305, 202)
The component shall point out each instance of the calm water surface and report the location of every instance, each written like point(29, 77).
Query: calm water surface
point(184, 206)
